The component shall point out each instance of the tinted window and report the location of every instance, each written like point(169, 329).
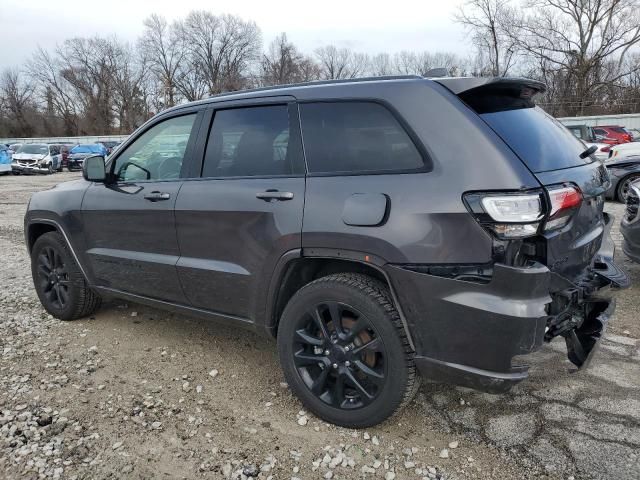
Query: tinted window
point(347, 137)
point(538, 139)
point(158, 153)
point(246, 142)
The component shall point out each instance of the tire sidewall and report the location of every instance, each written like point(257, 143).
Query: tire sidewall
point(631, 177)
point(76, 282)
point(396, 373)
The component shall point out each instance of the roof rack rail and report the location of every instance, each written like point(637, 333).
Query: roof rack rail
point(320, 82)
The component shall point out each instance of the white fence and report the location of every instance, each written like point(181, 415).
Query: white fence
point(630, 120)
point(102, 138)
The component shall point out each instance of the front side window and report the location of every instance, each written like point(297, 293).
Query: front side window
point(249, 142)
point(350, 137)
point(158, 153)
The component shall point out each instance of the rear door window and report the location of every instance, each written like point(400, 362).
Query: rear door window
point(355, 137)
point(250, 142)
point(538, 139)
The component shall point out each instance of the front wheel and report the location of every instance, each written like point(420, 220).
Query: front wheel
point(60, 285)
point(344, 351)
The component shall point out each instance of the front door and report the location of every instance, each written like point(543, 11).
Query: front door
point(130, 228)
point(236, 221)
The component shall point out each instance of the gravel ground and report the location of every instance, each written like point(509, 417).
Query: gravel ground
point(134, 392)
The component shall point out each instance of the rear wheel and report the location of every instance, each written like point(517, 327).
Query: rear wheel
point(344, 351)
point(59, 283)
point(624, 185)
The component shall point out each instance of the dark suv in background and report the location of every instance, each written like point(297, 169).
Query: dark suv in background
point(350, 221)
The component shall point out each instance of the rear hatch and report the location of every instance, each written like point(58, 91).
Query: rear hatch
point(556, 158)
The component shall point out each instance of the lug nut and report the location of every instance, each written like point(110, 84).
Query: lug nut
point(326, 352)
point(335, 365)
point(347, 363)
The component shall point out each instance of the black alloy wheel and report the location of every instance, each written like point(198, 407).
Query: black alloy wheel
point(344, 350)
point(339, 356)
point(59, 281)
point(53, 277)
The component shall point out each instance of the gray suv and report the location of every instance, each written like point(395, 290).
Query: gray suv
point(382, 230)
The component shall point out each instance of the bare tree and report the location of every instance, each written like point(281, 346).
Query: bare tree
point(486, 20)
point(16, 93)
point(575, 39)
point(419, 63)
point(221, 48)
point(55, 92)
point(162, 47)
point(341, 63)
point(129, 78)
point(282, 63)
point(381, 64)
point(88, 65)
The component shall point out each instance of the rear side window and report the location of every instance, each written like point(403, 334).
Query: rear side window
point(249, 142)
point(537, 138)
point(355, 137)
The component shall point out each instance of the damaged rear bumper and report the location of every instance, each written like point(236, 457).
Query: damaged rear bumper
point(474, 334)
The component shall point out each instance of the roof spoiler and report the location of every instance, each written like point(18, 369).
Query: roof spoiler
point(465, 85)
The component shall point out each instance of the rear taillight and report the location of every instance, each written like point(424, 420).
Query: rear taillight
point(564, 201)
point(606, 149)
point(507, 215)
point(519, 215)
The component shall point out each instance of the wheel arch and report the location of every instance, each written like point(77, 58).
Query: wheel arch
point(36, 227)
point(295, 272)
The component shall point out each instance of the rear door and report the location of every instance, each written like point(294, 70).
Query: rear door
point(245, 210)
point(129, 223)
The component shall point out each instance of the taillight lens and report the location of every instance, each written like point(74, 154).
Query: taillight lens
point(606, 149)
point(564, 202)
point(507, 215)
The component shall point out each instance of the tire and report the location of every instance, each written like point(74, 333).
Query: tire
point(62, 290)
point(623, 186)
point(50, 168)
point(70, 169)
point(370, 347)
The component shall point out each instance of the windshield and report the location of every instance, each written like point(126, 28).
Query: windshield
point(34, 149)
point(87, 149)
point(537, 138)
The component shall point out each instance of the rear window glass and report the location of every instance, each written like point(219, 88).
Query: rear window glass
point(538, 139)
point(350, 137)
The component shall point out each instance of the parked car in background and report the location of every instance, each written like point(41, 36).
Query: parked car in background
point(614, 134)
point(36, 158)
point(65, 148)
point(5, 160)
point(78, 153)
point(109, 145)
point(419, 255)
point(14, 147)
point(623, 171)
point(589, 138)
point(625, 150)
point(630, 225)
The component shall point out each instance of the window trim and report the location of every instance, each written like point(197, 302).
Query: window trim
point(295, 136)
point(424, 154)
point(156, 120)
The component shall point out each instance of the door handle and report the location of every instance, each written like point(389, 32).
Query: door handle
point(269, 195)
point(157, 196)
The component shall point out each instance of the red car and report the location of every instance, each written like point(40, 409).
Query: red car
point(613, 134)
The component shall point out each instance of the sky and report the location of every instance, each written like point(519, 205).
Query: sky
point(366, 26)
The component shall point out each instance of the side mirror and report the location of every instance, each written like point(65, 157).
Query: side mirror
point(93, 169)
